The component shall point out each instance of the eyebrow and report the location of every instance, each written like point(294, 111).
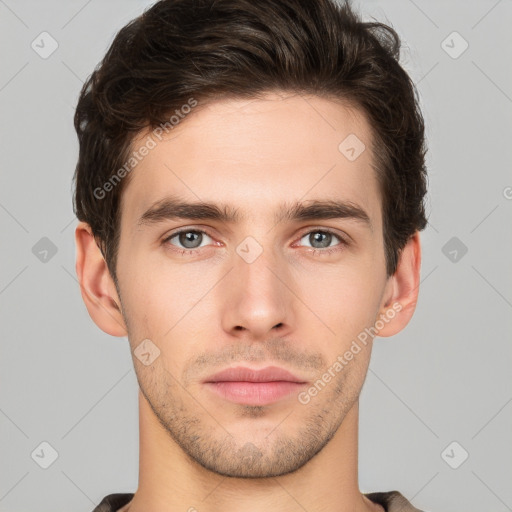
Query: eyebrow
point(172, 207)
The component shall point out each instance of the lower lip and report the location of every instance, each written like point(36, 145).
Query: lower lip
point(254, 393)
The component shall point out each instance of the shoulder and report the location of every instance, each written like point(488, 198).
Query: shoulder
point(392, 501)
point(113, 502)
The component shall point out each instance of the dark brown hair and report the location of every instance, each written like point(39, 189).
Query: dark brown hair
point(216, 49)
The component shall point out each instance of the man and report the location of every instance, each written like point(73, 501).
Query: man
point(250, 193)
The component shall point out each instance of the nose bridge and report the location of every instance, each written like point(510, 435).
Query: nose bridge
point(258, 299)
point(257, 264)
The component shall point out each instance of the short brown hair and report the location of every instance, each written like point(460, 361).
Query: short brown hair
point(215, 49)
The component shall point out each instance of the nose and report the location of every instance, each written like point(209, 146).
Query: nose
point(258, 300)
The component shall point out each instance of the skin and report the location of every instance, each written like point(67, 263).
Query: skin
point(212, 310)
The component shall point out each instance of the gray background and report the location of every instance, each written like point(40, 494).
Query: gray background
point(444, 379)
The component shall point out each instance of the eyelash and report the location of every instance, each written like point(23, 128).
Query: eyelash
point(315, 252)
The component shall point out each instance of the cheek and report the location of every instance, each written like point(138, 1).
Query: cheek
point(344, 299)
point(166, 302)
point(148, 286)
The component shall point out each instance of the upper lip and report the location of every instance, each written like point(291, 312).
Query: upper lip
point(243, 374)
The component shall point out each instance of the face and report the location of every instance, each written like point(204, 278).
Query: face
point(254, 288)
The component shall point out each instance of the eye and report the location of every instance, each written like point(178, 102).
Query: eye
point(190, 239)
point(321, 241)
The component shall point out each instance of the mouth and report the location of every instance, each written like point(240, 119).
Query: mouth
point(254, 387)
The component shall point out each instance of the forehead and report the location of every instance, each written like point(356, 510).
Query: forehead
point(257, 153)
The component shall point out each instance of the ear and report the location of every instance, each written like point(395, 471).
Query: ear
point(96, 284)
point(401, 292)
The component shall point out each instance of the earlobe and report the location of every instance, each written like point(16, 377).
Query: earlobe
point(402, 289)
point(96, 284)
